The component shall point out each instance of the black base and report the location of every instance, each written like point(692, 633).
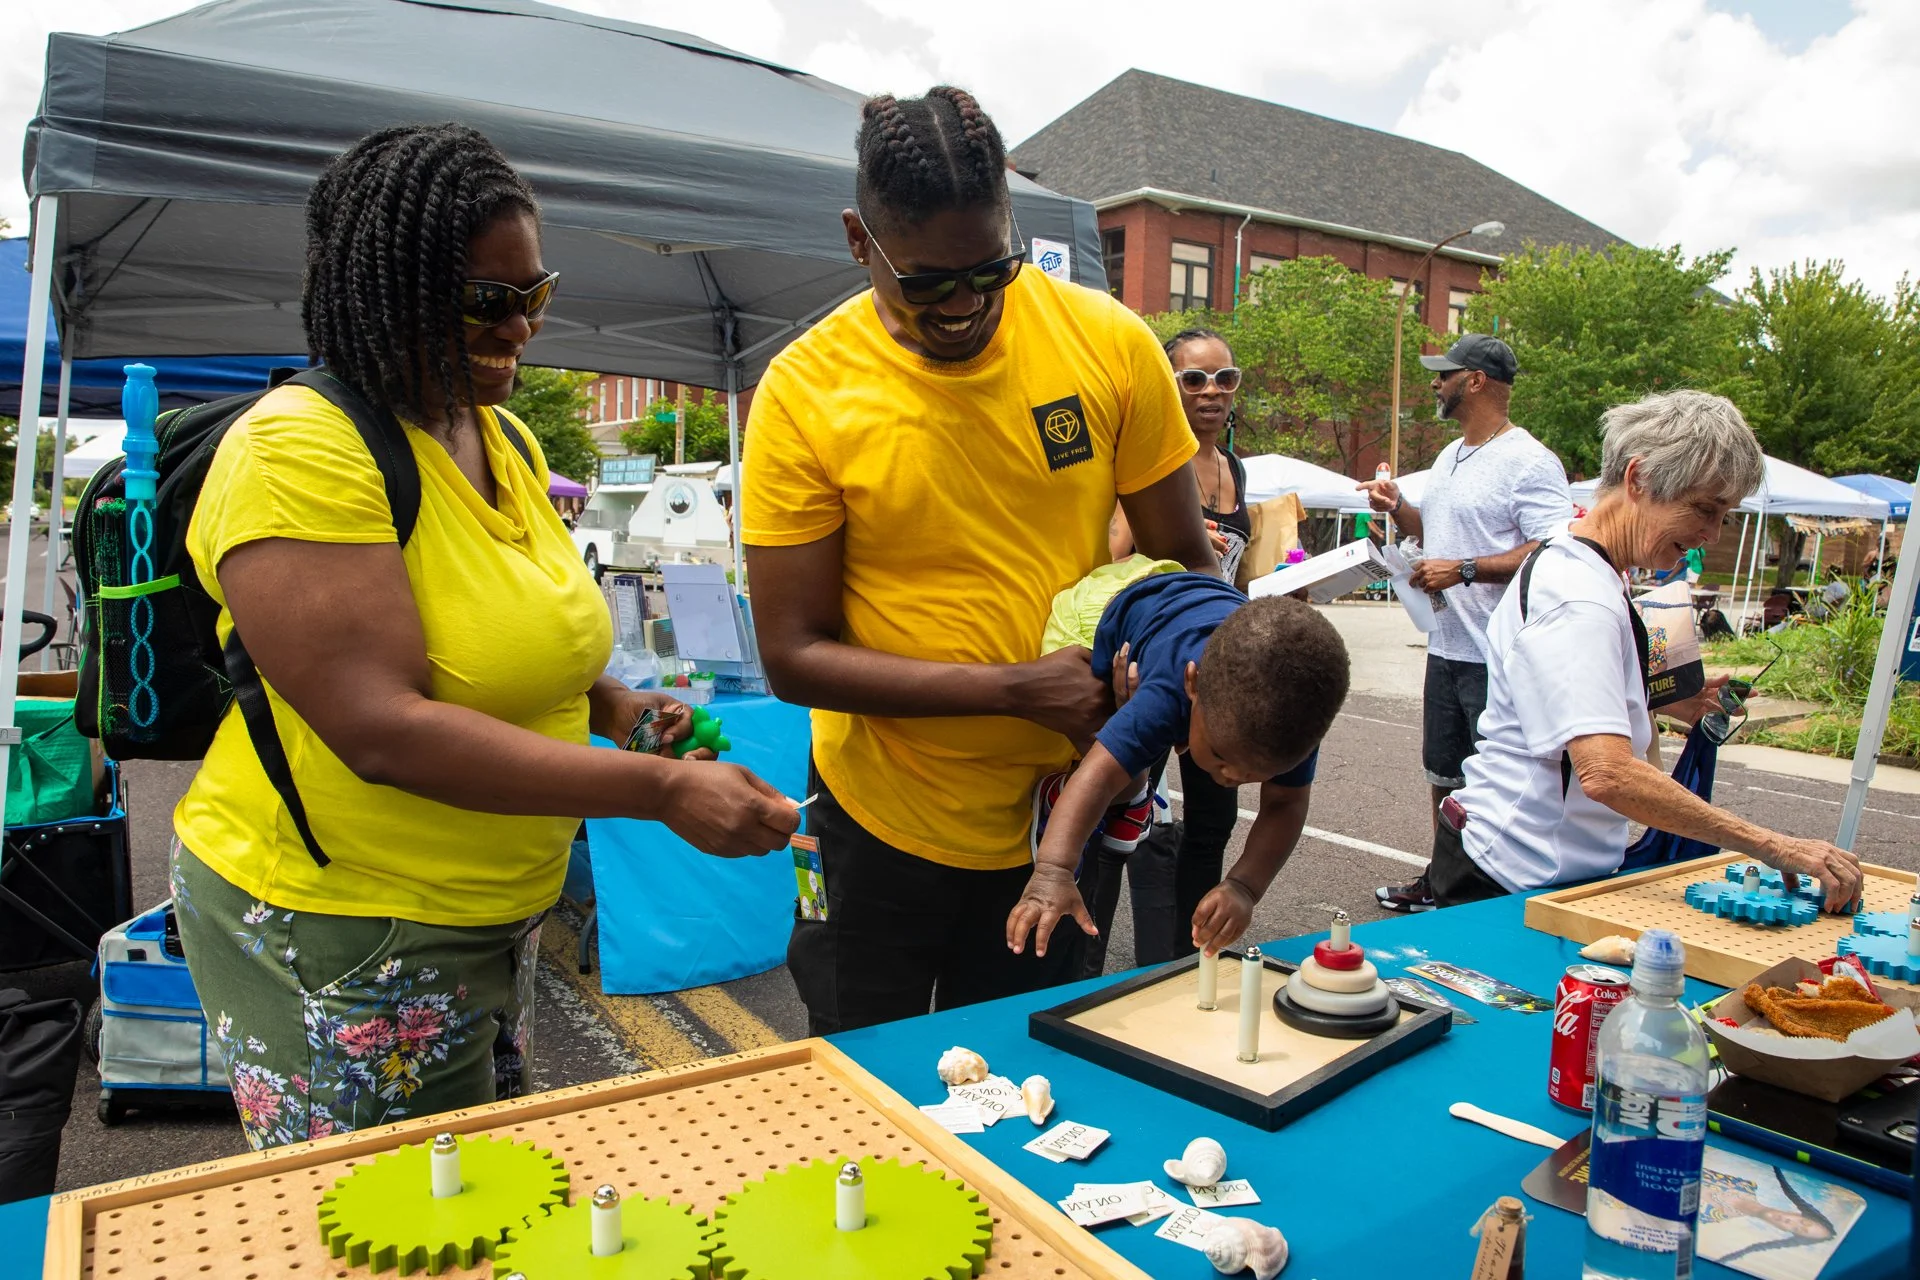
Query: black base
point(1336, 1026)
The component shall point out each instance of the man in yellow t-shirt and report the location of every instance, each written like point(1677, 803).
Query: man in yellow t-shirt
point(926, 468)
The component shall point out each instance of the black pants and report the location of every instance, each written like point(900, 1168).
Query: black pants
point(1455, 697)
point(903, 934)
point(1454, 877)
point(1168, 874)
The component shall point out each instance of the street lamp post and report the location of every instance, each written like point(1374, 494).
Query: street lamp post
point(1489, 229)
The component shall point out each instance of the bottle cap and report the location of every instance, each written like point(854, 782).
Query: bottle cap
point(1660, 963)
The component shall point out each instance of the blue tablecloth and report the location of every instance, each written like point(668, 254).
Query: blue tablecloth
point(670, 916)
point(23, 1225)
point(1381, 1181)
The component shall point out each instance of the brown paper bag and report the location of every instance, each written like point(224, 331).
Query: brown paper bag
point(1276, 531)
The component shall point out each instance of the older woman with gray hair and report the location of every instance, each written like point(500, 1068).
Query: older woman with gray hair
point(1561, 768)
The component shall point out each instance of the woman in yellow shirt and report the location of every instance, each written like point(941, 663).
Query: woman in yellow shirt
point(434, 699)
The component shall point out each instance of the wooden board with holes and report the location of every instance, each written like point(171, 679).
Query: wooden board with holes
point(691, 1133)
point(1724, 952)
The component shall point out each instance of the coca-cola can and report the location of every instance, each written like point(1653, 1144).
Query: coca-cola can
point(1586, 995)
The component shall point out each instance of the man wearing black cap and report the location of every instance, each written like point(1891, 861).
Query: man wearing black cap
point(1478, 520)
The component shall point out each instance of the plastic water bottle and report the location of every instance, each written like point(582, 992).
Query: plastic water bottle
point(1649, 1126)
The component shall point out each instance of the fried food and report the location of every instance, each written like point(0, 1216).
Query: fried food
point(1842, 1007)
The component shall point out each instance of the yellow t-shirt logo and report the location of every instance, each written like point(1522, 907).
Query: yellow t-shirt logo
point(1063, 432)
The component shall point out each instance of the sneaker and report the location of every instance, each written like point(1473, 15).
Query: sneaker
point(1127, 823)
point(1046, 794)
point(1416, 896)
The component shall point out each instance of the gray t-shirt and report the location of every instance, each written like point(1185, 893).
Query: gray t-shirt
point(1481, 501)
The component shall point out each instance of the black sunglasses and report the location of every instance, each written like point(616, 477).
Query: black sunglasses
point(925, 288)
point(1720, 725)
point(486, 303)
point(1194, 381)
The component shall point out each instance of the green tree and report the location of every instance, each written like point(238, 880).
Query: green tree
point(1315, 343)
point(706, 428)
point(553, 404)
point(1593, 329)
point(1832, 370)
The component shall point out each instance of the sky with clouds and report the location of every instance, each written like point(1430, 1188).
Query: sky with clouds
point(1785, 129)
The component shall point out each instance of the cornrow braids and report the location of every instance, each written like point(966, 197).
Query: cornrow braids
point(923, 156)
point(1179, 339)
point(388, 222)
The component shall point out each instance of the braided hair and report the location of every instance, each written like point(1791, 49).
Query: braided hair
point(388, 223)
point(1179, 339)
point(922, 156)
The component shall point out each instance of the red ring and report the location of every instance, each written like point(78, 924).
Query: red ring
point(1352, 958)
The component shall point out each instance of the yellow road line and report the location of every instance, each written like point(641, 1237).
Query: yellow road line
point(646, 1032)
point(729, 1018)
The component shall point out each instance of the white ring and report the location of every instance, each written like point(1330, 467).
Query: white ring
point(1337, 1003)
point(1346, 981)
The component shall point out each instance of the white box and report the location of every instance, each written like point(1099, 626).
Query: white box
point(1332, 574)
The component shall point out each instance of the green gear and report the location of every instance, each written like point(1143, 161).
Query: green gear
point(384, 1214)
point(921, 1225)
point(663, 1241)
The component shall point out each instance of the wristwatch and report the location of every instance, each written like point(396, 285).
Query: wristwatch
point(1468, 568)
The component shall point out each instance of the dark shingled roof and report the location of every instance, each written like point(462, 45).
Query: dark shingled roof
point(1144, 130)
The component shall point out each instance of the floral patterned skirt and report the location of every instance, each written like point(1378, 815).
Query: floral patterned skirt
point(328, 1023)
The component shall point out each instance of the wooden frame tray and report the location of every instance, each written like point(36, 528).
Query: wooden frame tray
point(1149, 1028)
point(1725, 952)
point(693, 1133)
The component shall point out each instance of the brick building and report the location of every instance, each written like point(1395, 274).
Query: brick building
point(616, 401)
point(1196, 188)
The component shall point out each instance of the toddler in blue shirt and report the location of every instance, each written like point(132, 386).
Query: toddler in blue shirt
point(1247, 688)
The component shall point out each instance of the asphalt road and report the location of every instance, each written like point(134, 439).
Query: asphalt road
point(1369, 825)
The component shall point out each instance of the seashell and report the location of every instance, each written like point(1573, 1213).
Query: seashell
point(1037, 1093)
point(1200, 1165)
point(962, 1066)
point(1613, 949)
point(1239, 1243)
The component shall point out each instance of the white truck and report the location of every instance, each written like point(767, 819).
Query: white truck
point(674, 516)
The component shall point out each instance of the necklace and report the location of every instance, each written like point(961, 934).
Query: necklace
point(1221, 474)
point(1464, 454)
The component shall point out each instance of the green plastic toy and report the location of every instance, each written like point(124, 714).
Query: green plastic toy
point(706, 733)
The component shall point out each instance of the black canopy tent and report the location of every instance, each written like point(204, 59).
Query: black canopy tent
point(691, 194)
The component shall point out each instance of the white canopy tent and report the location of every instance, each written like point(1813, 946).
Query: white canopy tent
point(1270, 475)
point(91, 455)
point(1785, 490)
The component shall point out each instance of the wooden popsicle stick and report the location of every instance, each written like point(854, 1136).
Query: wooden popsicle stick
point(1502, 1124)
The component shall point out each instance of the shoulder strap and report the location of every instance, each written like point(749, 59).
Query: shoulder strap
point(1526, 577)
point(385, 439)
point(516, 436)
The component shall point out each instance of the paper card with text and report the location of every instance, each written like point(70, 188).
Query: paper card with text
point(1068, 1141)
point(1222, 1194)
point(1109, 1203)
point(1159, 1203)
point(955, 1117)
point(996, 1096)
point(1189, 1226)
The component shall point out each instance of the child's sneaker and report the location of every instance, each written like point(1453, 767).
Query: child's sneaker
point(1046, 794)
point(1127, 824)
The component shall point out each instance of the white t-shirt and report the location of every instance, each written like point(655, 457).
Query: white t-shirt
point(1571, 669)
point(1481, 501)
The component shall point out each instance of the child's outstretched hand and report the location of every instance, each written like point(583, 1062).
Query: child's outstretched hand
point(1050, 897)
point(1222, 916)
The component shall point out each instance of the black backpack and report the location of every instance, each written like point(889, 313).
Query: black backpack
point(155, 683)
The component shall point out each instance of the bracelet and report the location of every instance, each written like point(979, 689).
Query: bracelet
point(1241, 885)
point(1398, 503)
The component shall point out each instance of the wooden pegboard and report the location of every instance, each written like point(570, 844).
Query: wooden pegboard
point(692, 1134)
point(1725, 952)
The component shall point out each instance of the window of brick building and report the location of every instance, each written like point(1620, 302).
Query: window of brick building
point(1257, 263)
point(1113, 256)
point(1457, 300)
point(1192, 279)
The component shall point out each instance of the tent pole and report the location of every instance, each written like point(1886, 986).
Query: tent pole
point(46, 213)
point(1740, 553)
point(57, 506)
point(1880, 560)
point(733, 459)
point(1886, 682)
point(1818, 539)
